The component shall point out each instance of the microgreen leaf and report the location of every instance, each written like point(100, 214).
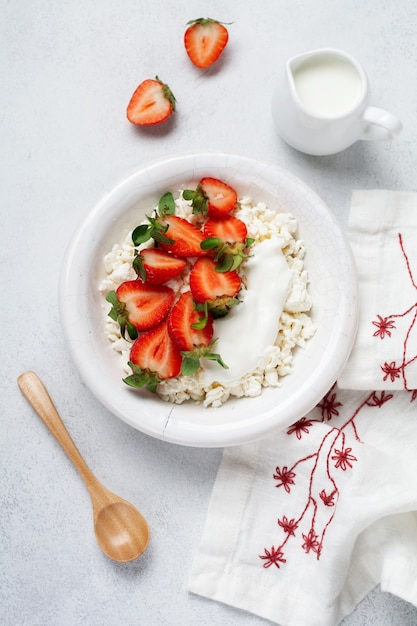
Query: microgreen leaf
point(139, 268)
point(225, 263)
point(166, 205)
point(237, 260)
point(210, 243)
point(154, 230)
point(191, 359)
point(202, 323)
point(158, 231)
point(132, 331)
point(198, 200)
point(189, 194)
point(119, 314)
point(142, 378)
point(212, 356)
point(228, 256)
point(189, 365)
point(141, 234)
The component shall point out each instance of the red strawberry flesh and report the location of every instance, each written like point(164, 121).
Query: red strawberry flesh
point(229, 229)
point(155, 351)
point(180, 320)
point(205, 40)
point(221, 197)
point(160, 266)
point(187, 238)
point(207, 284)
point(152, 103)
point(146, 305)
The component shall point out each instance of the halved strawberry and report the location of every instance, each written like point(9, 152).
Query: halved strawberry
point(185, 237)
point(191, 331)
point(152, 102)
point(218, 289)
point(221, 197)
point(229, 229)
point(212, 196)
point(153, 358)
point(205, 40)
point(155, 266)
point(227, 241)
point(138, 306)
point(182, 321)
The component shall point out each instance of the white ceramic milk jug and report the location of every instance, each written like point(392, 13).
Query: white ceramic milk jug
point(321, 104)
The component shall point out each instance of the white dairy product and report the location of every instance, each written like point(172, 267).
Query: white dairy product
point(327, 85)
point(258, 338)
point(249, 328)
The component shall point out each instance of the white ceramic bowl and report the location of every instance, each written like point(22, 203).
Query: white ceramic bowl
point(332, 287)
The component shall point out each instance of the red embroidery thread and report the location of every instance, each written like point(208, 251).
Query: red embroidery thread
point(343, 458)
point(273, 557)
point(329, 406)
point(328, 498)
point(311, 542)
point(392, 370)
point(333, 458)
point(288, 526)
point(384, 325)
point(300, 427)
point(285, 477)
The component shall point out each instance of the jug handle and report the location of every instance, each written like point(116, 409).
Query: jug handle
point(380, 124)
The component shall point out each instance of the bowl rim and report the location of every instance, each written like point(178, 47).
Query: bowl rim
point(166, 423)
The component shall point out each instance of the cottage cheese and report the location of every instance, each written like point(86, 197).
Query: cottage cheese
point(258, 338)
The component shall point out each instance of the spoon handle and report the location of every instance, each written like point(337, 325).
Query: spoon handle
point(38, 397)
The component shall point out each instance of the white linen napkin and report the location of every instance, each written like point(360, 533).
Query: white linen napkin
point(383, 236)
point(302, 526)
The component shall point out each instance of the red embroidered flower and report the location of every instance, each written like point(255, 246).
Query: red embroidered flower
point(273, 557)
point(300, 427)
point(288, 526)
point(383, 325)
point(285, 477)
point(391, 370)
point(311, 542)
point(329, 406)
point(374, 400)
point(328, 499)
point(343, 458)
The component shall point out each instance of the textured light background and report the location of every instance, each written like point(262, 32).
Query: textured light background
point(68, 70)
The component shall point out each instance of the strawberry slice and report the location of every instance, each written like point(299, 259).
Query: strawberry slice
point(186, 238)
point(227, 241)
point(205, 40)
point(212, 196)
point(191, 331)
point(218, 289)
point(229, 229)
point(154, 266)
point(221, 197)
point(152, 102)
point(153, 358)
point(138, 306)
point(184, 324)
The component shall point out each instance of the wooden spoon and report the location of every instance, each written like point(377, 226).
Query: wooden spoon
point(121, 531)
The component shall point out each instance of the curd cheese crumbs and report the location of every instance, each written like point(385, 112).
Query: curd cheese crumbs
point(165, 355)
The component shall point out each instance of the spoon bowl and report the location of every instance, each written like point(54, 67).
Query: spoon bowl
point(114, 526)
point(121, 530)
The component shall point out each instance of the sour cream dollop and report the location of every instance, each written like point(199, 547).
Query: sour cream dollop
point(252, 326)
